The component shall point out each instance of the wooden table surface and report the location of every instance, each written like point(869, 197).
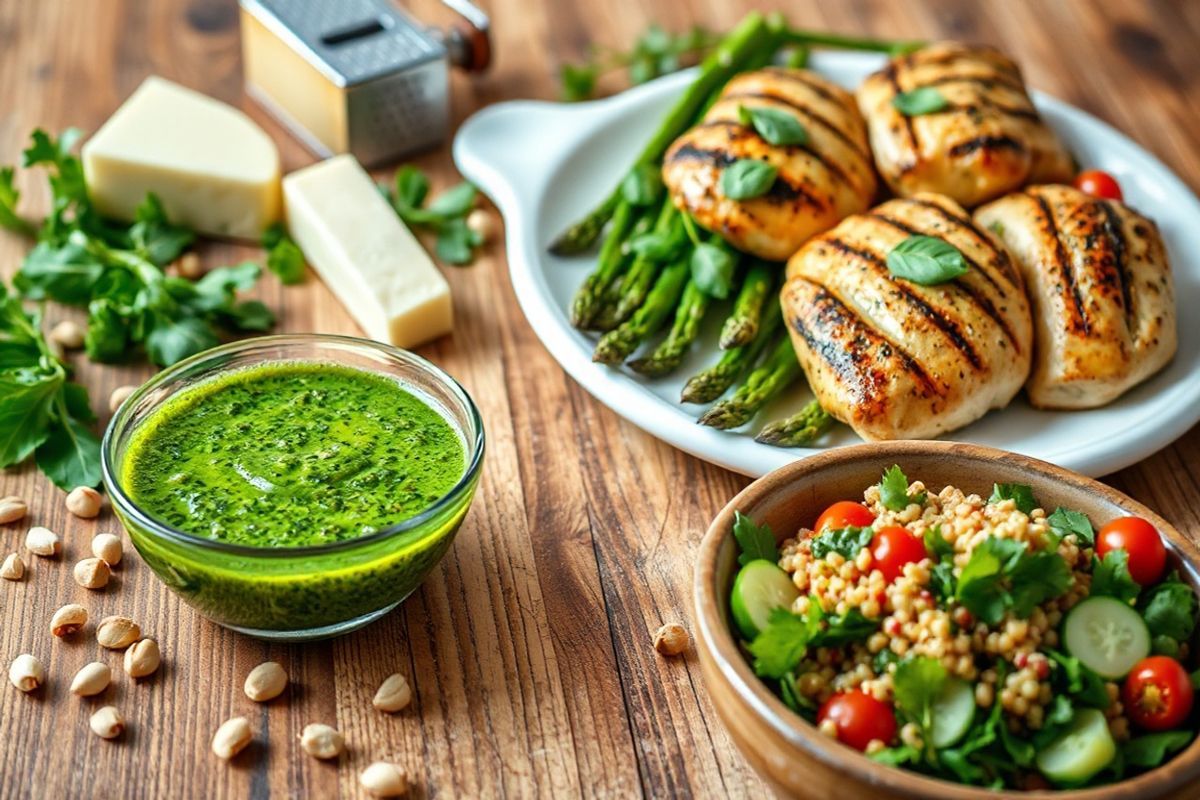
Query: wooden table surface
point(529, 647)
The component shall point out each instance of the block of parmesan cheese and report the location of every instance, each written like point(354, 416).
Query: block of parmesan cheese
point(365, 254)
point(214, 170)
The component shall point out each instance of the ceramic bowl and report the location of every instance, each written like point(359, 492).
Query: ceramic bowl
point(788, 751)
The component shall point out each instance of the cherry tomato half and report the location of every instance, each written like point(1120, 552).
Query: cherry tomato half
point(859, 718)
point(1157, 694)
point(844, 514)
point(892, 548)
point(1141, 541)
point(1098, 183)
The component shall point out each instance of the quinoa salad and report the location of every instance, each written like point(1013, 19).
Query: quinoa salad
point(985, 641)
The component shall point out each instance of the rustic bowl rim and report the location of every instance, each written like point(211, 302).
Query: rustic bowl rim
point(716, 637)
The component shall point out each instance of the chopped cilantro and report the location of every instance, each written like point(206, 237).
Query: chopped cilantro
point(755, 541)
point(893, 490)
point(1110, 576)
point(1170, 609)
point(1064, 521)
point(1004, 574)
point(1019, 493)
point(846, 541)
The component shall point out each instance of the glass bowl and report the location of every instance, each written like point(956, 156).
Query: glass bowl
point(308, 592)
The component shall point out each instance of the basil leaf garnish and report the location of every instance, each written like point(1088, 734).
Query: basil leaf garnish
point(747, 179)
point(926, 100)
point(777, 127)
point(926, 260)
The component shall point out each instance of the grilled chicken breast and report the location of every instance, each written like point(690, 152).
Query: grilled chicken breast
point(987, 141)
point(894, 359)
point(1101, 291)
point(819, 183)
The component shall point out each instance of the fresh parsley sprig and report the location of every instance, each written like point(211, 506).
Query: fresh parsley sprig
point(446, 215)
point(893, 490)
point(655, 53)
point(1004, 575)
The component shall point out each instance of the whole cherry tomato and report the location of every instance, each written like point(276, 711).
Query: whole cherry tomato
point(1138, 538)
point(844, 514)
point(1157, 693)
point(893, 547)
point(859, 718)
point(1098, 183)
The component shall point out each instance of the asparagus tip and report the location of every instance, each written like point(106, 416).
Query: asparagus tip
point(726, 415)
point(737, 332)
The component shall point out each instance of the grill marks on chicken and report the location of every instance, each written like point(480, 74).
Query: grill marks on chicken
point(894, 359)
point(819, 182)
point(988, 140)
point(1101, 289)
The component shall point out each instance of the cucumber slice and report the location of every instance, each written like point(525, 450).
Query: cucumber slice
point(760, 588)
point(1079, 752)
point(1107, 636)
point(953, 712)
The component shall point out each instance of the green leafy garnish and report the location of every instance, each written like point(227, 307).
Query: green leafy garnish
point(926, 260)
point(941, 578)
point(747, 178)
point(1110, 576)
point(9, 197)
point(917, 682)
point(1077, 680)
point(655, 53)
point(642, 186)
point(1064, 521)
point(846, 541)
point(893, 490)
point(925, 100)
point(1003, 575)
point(712, 266)
point(1169, 609)
point(776, 126)
point(656, 246)
point(283, 255)
point(755, 541)
point(778, 649)
point(1019, 493)
point(1152, 749)
point(445, 215)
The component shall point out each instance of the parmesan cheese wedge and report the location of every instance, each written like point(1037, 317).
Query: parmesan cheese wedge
point(214, 170)
point(364, 253)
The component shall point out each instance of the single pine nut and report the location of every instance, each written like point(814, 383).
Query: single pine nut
point(68, 334)
point(26, 673)
point(107, 548)
point(231, 738)
point(142, 658)
point(483, 224)
point(91, 679)
point(117, 632)
point(92, 573)
point(394, 694)
point(68, 620)
point(43, 542)
point(12, 508)
point(265, 682)
point(382, 779)
point(189, 266)
point(13, 568)
point(671, 639)
point(119, 395)
point(322, 741)
point(107, 722)
point(84, 501)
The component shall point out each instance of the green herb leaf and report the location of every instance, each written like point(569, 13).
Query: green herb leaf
point(172, 340)
point(1169, 609)
point(926, 260)
point(250, 315)
point(284, 257)
point(1110, 576)
point(1036, 577)
point(917, 682)
point(1065, 521)
point(747, 178)
point(1084, 685)
point(154, 237)
point(642, 186)
point(846, 541)
point(755, 541)
point(893, 490)
point(578, 81)
point(778, 649)
point(26, 400)
point(66, 273)
point(941, 579)
point(981, 583)
point(455, 242)
point(9, 197)
point(70, 456)
point(925, 100)
point(654, 246)
point(1019, 493)
point(839, 629)
point(935, 543)
point(412, 186)
point(897, 756)
point(457, 201)
point(712, 267)
point(1152, 749)
point(776, 126)
point(1161, 645)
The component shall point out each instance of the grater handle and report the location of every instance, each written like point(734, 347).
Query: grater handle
point(469, 43)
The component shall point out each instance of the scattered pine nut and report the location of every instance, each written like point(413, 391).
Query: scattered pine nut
point(108, 548)
point(142, 658)
point(12, 508)
point(231, 738)
point(68, 620)
point(265, 682)
point(394, 694)
point(13, 568)
point(382, 779)
point(322, 741)
point(84, 502)
point(119, 395)
point(67, 334)
point(482, 223)
point(117, 632)
point(92, 679)
point(188, 265)
point(43, 542)
point(107, 722)
point(671, 639)
point(26, 673)
point(92, 573)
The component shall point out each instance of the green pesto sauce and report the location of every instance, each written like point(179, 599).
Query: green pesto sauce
point(292, 453)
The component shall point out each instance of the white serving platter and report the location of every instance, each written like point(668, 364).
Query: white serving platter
point(546, 164)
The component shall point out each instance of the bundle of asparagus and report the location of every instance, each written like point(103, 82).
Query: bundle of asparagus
point(654, 267)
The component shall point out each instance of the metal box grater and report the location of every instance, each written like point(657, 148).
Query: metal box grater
point(352, 76)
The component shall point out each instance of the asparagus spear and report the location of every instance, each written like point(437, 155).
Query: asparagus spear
point(753, 35)
point(706, 386)
point(616, 345)
point(742, 324)
point(840, 42)
point(589, 296)
point(644, 270)
point(797, 430)
point(684, 331)
point(773, 376)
